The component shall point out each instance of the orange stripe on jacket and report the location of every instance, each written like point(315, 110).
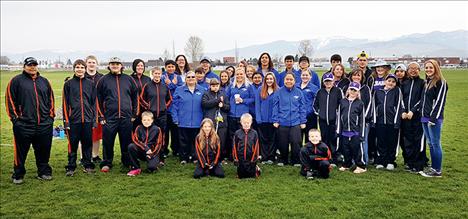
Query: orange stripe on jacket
point(9, 100)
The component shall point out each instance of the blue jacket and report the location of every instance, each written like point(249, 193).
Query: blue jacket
point(275, 72)
point(186, 108)
point(171, 85)
point(280, 78)
point(309, 92)
point(264, 108)
point(256, 91)
point(288, 107)
point(204, 85)
point(211, 75)
point(248, 96)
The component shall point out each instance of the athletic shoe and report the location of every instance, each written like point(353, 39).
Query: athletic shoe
point(161, 163)
point(70, 173)
point(45, 177)
point(269, 162)
point(89, 170)
point(183, 162)
point(343, 169)
point(407, 167)
point(134, 172)
point(359, 170)
point(371, 161)
point(297, 165)
point(390, 167)
point(105, 169)
point(263, 162)
point(96, 159)
point(431, 173)
point(225, 162)
point(309, 175)
point(258, 171)
point(414, 171)
point(280, 164)
point(380, 166)
point(18, 181)
point(333, 165)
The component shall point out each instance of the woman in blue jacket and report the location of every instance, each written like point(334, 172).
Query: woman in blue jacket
point(432, 114)
point(265, 65)
point(187, 114)
point(309, 90)
point(264, 113)
point(289, 116)
point(241, 96)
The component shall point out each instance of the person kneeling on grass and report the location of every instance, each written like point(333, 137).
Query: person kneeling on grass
point(246, 149)
point(147, 143)
point(208, 149)
point(315, 156)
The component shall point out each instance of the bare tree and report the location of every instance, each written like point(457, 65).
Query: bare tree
point(305, 48)
point(166, 55)
point(194, 48)
point(4, 60)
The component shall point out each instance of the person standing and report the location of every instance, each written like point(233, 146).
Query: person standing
point(118, 108)
point(30, 107)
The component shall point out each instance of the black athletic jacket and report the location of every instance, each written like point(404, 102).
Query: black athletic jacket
point(388, 107)
point(95, 78)
point(246, 145)
point(351, 116)
point(326, 104)
point(210, 102)
point(366, 97)
point(412, 90)
point(206, 155)
point(30, 100)
point(117, 97)
point(141, 81)
point(433, 100)
point(79, 101)
point(318, 151)
point(155, 97)
point(148, 138)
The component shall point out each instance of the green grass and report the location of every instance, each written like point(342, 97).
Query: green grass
point(279, 193)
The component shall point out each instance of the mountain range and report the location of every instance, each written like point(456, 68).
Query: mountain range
point(453, 43)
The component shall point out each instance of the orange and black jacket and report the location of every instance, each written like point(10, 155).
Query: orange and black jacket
point(95, 78)
point(155, 97)
point(117, 97)
point(30, 100)
point(207, 156)
point(318, 151)
point(148, 138)
point(246, 147)
point(141, 81)
point(79, 101)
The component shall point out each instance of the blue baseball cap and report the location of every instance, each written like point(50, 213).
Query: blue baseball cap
point(354, 85)
point(327, 77)
point(391, 76)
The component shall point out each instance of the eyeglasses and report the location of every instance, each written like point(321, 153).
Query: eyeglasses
point(190, 77)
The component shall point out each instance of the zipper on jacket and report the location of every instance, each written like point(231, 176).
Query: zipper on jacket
point(37, 103)
point(81, 101)
point(157, 102)
point(384, 108)
point(410, 91)
point(245, 145)
point(118, 93)
point(349, 111)
point(328, 97)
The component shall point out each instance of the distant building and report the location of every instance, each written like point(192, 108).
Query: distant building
point(229, 60)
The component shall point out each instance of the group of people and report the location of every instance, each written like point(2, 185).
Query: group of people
point(244, 115)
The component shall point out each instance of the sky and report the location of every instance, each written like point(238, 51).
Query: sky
point(152, 27)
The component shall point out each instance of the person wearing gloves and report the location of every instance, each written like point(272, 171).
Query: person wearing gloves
point(208, 151)
point(29, 101)
point(146, 146)
point(264, 113)
point(289, 117)
point(216, 106)
point(432, 114)
point(79, 117)
point(246, 149)
point(350, 127)
point(187, 114)
point(117, 95)
point(315, 156)
point(325, 107)
point(387, 108)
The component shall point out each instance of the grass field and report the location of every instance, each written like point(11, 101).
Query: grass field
point(279, 193)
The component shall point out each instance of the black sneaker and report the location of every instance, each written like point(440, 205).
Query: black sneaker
point(431, 173)
point(89, 170)
point(18, 181)
point(44, 177)
point(96, 159)
point(70, 173)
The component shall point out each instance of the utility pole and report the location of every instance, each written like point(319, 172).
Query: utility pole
point(173, 49)
point(236, 52)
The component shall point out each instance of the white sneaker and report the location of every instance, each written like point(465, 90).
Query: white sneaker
point(333, 165)
point(343, 169)
point(359, 170)
point(270, 162)
point(297, 165)
point(380, 166)
point(280, 164)
point(390, 167)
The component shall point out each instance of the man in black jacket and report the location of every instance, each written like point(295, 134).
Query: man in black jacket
point(30, 106)
point(118, 107)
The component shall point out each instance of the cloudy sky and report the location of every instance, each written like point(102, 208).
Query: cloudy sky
point(151, 27)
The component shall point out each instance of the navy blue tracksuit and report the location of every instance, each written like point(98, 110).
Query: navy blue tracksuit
point(315, 158)
point(145, 139)
point(79, 115)
point(118, 104)
point(208, 156)
point(30, 106)
point(245, 152)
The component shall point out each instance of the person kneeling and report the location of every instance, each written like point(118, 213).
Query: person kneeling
point(208, 149)
point(246, 149)
point(147, 142)
point(315, 156)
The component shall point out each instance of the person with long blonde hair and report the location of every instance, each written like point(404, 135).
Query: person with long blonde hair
point(432, 114)
point(208, 150)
